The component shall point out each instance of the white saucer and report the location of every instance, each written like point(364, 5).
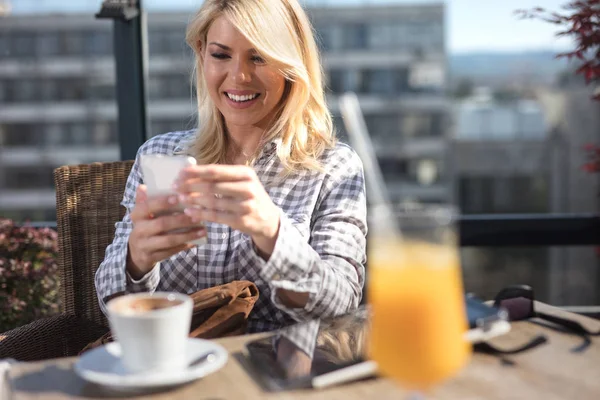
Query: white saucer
point(103, 366)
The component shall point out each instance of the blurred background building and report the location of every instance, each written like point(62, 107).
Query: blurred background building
point(57, 94)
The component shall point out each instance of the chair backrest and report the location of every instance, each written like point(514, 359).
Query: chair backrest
point(88, 201)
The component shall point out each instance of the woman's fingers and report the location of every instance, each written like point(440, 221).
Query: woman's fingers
point(172, 241)
point(217, 173)
point(152, 206)
point(159, 256)
point(229, 218)
point(218, 203)
point(169, 223)
point(242, 190)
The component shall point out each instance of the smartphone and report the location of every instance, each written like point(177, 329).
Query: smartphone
point(485, 321)
point(159, 172)
point(482, 315)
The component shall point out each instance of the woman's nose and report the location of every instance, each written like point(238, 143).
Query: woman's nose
point(242, 71)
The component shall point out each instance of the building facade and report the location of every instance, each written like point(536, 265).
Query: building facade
point(526, 157)
point(57, 102)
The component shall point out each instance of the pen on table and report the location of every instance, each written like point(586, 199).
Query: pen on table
point(365, 369)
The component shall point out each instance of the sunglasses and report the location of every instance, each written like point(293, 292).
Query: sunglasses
point(519, 302)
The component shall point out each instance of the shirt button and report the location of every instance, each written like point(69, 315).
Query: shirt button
point(224, 236)
point(276, 277)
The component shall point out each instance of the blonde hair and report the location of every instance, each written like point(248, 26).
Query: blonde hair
point(344, 339)
point(281, 33)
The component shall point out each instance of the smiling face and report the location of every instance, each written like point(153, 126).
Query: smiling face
point(245, 89)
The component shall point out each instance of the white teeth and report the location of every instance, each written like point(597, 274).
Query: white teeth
point(242, 98)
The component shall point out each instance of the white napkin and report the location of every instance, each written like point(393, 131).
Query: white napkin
point(5, 365)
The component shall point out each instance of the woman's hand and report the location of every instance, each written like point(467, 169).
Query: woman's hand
point(231, 195)
point(149, 241)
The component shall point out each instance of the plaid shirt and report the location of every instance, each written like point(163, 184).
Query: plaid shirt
point(320, 248)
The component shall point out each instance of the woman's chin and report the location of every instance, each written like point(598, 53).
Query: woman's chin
point(238, 120)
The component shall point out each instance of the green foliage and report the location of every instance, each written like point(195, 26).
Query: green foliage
point(28, 274)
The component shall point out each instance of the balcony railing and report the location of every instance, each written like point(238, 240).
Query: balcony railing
point(513, 230)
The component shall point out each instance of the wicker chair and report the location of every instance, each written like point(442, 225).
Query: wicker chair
point(88, 205)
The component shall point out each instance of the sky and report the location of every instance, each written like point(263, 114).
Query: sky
point(472, 25)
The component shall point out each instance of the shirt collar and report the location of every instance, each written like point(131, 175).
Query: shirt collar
point(184, 144)
point(270, 148)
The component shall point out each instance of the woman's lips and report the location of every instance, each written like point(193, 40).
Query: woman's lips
point(241, 104)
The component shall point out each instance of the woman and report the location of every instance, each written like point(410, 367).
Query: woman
point(283, 205)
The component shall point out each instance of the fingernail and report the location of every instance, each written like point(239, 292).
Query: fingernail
point(201, 233)
point(188, 212)
point(173, 200)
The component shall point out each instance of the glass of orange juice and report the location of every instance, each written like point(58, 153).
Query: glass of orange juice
point(416, 295)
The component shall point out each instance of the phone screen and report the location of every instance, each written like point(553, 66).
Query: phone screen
point(160, 171)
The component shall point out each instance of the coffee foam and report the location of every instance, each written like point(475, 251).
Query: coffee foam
point(142, 305)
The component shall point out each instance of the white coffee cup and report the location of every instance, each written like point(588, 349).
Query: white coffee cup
point(152, 329)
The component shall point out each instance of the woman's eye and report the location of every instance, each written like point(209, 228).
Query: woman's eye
point(258, 59)
point(220, 56)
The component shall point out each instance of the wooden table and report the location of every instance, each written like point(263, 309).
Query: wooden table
point(552, 371)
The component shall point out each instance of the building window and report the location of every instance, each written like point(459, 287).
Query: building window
point(380, 81)
point(415, 125)
point(7, 91)
point(324, 37)
point(177, 86)
point(54, 134)
point(48, 43)
point(514, 194)
point(74, 89)
point(20, 135)
point(175, 42)
point(3, 91)
point(355, 36)
point(156, 42)
point(100, 88)
point(173, 86)
point(335, 81)
point(340, 128)
point(383, 129)
point(344, 80)
point(80, 134)
point(393, 168)
point(155, 88)
point(380, 36)
point(49, 90)
point(102, 134)
point(98, 43)
point(163, 126)
point(25, 90)
point(23, 45)
point(4, 47)
point(29, 177)
point(74, 42)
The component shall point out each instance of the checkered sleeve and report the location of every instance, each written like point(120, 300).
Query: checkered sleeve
point(303, 335)
point(329, 266)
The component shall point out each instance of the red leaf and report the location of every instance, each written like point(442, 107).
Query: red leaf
point(589, 74)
